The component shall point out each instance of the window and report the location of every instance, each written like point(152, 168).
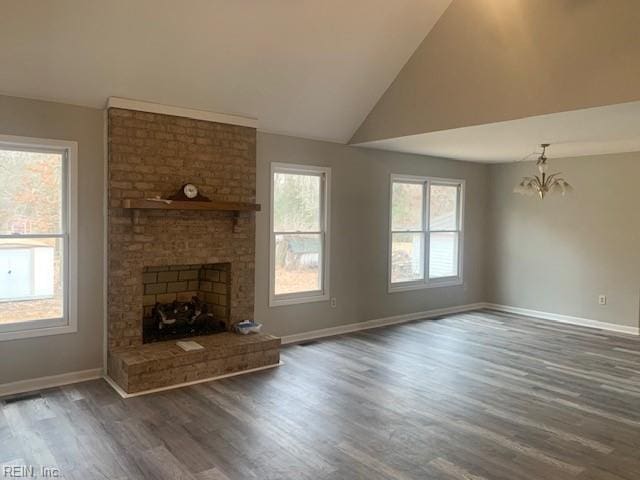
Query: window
point(37, 225)
point(299, 234)
point(426, 232)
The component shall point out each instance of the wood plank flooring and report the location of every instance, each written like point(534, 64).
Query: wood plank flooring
point(473, 396)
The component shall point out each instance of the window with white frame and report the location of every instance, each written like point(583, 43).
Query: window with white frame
point(35, 234)
point(299, 256)
point(426, 232)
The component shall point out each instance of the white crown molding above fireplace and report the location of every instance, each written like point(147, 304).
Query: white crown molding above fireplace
point(142, 106)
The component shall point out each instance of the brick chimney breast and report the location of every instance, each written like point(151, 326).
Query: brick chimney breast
point(152, 155)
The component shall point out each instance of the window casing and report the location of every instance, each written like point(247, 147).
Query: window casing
point(426, 232)
point(38, 266)
point(299, 234)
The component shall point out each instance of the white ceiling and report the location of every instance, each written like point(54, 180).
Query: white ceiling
point(592, 131)
point(302, 67)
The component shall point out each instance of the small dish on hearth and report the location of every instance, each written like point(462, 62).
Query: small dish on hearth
point(248, 326)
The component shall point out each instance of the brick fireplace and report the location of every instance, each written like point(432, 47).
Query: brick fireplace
point(161, 256)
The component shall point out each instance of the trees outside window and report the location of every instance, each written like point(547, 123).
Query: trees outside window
point(426, 230)
point(299, 241)
point(35, 221)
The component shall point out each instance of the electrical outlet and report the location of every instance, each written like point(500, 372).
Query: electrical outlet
point(334, 302)
point(602, 300)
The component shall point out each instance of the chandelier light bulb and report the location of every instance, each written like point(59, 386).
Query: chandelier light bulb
point(544, 183)
point(543, 167)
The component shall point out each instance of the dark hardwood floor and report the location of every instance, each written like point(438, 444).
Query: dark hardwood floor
point(473, 396)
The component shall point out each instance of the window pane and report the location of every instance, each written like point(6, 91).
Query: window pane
point(407, 204)
point(298, 263)
point(443, 255)
point(31, 283)
point(30, 192)
point(407, 257)
point(296, 203)
point(443, 209)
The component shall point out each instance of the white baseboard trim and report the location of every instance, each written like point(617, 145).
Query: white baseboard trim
point(556, 317)
point(378, 322)
point(41, 383)
point(124, 394)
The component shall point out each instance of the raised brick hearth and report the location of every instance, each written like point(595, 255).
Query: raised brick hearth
point(151, 155)
point(157, 365)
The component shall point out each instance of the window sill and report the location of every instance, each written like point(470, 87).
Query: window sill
point(421, 286)
point(35, 328)
point(281, 302)
point(26, 299)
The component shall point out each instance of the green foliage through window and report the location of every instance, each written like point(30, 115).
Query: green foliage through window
point(296, 202)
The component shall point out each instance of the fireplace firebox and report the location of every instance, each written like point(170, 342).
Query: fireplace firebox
point(185, 300)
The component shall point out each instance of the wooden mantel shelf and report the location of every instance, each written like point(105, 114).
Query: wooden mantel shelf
point(142, 204)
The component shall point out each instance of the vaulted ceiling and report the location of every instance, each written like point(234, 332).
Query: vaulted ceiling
point(302, 67)
point(483, 80)
point(494, 78)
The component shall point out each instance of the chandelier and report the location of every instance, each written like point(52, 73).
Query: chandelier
point(544, 183)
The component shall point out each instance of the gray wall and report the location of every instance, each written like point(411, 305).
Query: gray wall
point(359, 234)
point(51, 355)
point(554, 256)
point(559, 254)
